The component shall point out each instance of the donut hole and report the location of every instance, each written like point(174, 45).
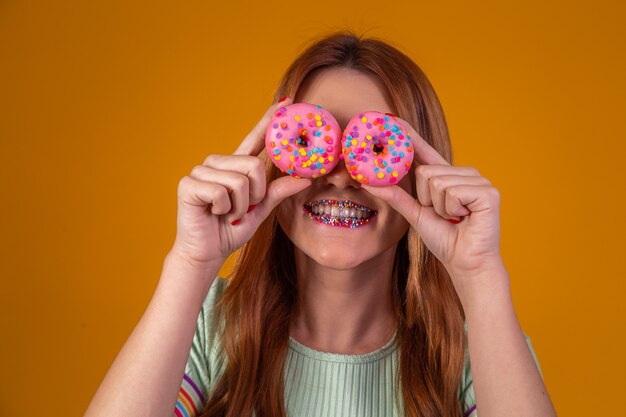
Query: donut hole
point(378, 149)
point(302, 140)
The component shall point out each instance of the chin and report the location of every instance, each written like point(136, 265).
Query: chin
point(334, 255)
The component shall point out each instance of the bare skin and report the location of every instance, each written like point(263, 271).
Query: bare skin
point(343, 275)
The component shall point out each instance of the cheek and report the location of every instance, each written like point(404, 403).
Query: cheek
point(397, 224)
point(290, 217)
point(394, 225)
point(286, 215)
point(407, 183)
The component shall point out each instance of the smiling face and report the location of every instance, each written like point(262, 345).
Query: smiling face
point(344, 93)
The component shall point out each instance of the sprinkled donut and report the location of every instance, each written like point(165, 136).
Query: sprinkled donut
point(376, 149)
point(303, 140)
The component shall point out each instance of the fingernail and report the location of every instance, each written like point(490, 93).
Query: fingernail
point(454, 221)
point(235, 222)
point(391, 114)
point(283, 99)
point(250, 208)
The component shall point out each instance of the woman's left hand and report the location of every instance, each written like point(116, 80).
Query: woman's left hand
point(447, 192)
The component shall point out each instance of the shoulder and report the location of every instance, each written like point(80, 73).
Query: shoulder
point(215, 291)
point(203, 364)
point(466, 388)
point(207, 312)
point(467, 368)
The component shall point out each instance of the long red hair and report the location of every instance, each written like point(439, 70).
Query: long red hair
point(257, 304)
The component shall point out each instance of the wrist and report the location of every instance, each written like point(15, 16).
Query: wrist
point(178, 267)
point(483, 290)
point(486, 266)
point(190, 264)
point(184, 280)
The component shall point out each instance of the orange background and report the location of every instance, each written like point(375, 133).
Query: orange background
point(105, 105)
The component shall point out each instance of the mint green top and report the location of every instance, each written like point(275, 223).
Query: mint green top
point(316, 383)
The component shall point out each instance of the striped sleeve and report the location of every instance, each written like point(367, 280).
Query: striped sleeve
point(197, 378)
point(468, 401)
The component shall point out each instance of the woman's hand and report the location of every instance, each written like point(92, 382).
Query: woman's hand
point(449, 192)
point(223, 201)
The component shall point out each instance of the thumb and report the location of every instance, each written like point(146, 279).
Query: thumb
point(400, 200)
point(277, 191)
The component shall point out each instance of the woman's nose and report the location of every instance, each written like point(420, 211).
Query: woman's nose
point(339, 177)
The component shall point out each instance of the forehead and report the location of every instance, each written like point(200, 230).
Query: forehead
point(344, 92)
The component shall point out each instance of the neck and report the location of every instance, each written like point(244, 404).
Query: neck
point(346, 311)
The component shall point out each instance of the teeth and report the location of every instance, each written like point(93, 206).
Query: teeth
point(335, 211)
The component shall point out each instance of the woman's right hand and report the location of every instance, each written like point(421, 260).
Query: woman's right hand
point(221, 191)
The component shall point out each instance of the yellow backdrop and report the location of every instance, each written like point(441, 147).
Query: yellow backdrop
point(105, 105)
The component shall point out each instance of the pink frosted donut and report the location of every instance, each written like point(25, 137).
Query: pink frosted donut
point(303, 140)
point(376, 149)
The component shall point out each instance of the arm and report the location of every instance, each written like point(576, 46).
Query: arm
point(220, 206)
point(505, 377)
point(145, 377)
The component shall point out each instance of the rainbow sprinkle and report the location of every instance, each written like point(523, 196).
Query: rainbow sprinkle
point(339, 221)
point(372, 139)
point(318, 159)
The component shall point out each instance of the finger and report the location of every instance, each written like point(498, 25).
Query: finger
point(424, 173)
point(235, 183)
point(399, 199)
point(194, 192)
point(475, 198)
point(252, 167)
point(438, 190)
point(254, 143)
point(277, 191)
point(424, 153)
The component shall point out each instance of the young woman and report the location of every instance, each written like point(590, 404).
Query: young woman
point(317, 320)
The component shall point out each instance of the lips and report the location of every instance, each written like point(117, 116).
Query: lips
point(341, 213)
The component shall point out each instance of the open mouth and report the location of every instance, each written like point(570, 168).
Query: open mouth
point(342, 213)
